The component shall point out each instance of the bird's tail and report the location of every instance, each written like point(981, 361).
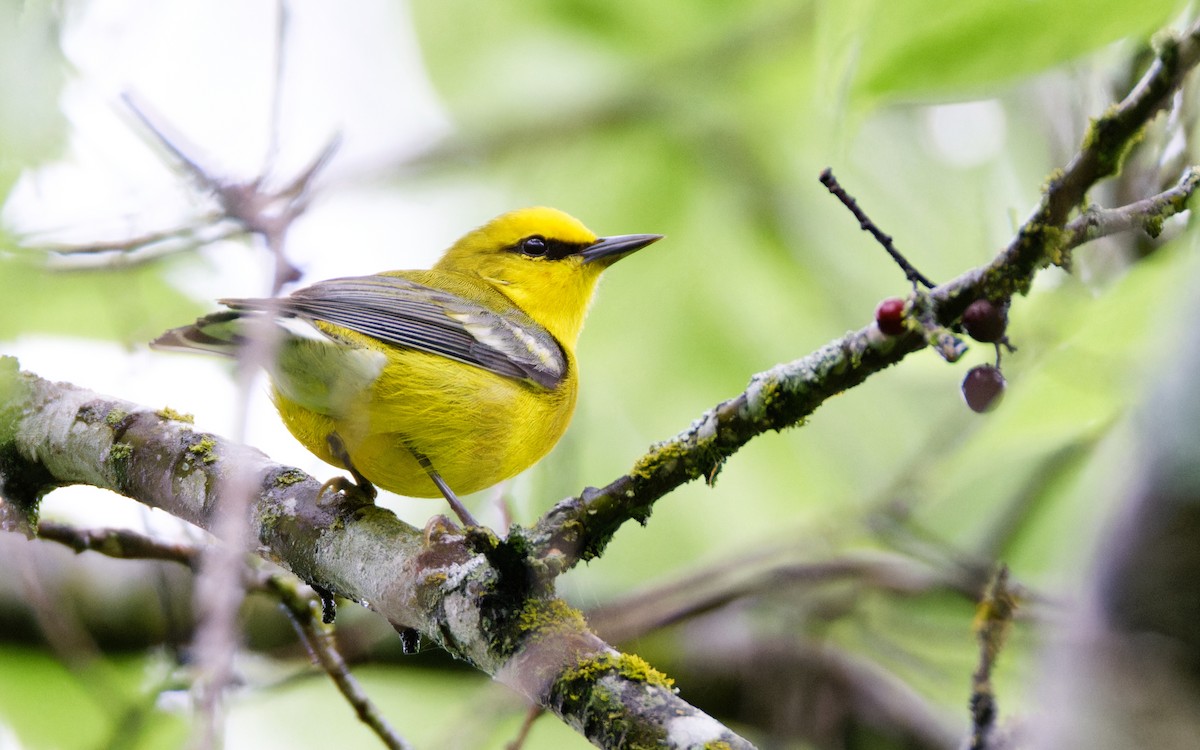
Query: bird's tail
point(219, 333)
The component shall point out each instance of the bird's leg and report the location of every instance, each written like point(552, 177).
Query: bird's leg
point(361, 486)
point(456, 505)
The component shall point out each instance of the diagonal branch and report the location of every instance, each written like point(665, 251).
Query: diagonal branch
point(434, 580)
point(579, 528)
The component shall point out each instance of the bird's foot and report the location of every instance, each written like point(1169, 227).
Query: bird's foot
point(362, 490)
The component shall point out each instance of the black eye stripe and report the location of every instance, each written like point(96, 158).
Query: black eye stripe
point(536, 246)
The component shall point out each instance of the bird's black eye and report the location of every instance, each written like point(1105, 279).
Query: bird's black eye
point(534, 246)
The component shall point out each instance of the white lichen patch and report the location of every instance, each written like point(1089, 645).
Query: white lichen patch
point(694, 730)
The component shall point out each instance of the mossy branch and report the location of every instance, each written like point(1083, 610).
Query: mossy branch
point(579, 528)
point(462, 591)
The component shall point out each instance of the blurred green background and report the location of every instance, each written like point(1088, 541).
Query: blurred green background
point(707, 122)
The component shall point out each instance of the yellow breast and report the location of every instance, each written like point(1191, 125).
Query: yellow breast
point(476, 429)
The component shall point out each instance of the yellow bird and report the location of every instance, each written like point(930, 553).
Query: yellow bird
point(432, 382)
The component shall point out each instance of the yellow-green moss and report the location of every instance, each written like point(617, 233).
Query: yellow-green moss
point(634, 667)
point(1054, 245)
point(629, 666)
point(717, 745)
point(608, 722)
point(1153, 225)
point(540, 616)
point(118, 460)
point(203, 449)
point(665, 454)
point(114, 417)
point(1057, 174)
point(175, 416)
point(289, 477)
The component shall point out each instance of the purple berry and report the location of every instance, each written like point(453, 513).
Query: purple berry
point(985, 320)
point(982, 388)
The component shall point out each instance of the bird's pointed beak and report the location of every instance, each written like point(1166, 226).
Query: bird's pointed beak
point(612, 249)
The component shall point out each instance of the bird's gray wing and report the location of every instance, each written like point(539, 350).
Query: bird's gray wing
point(402, 312)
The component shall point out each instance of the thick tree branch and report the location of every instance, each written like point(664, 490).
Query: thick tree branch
point(579, 528)
point(483, 608)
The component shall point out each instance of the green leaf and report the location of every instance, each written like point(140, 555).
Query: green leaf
point(926, 48)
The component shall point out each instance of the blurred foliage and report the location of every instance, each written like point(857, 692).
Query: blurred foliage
point(83, 299)
point(31, 75)
point(86, 702)
point(972, 47)
point(709, 122)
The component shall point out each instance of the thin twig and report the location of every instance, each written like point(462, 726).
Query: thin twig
point(143, 248)
point(268, 214)
point(317, 638)
point(993, 620)
point(864, 222)
point(1147, 214)
point(531, 716)
point(726, 581)
point(119, 543)
point(156, 127)
point(302, 182)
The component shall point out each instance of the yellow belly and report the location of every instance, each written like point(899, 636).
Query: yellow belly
point(475, 427)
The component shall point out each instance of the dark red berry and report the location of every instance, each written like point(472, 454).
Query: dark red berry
point(982, 388)
point(889, 316)
point(985, 320)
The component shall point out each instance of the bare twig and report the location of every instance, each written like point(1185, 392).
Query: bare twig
point(205, 229)
point(256, 209)
point(268, 215)
point(1147, 215)
point(531, 716)
point(867, 225)
point(119, 543)
point(317, 638)
point(172, 142)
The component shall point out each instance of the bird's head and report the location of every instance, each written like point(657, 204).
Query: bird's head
point(544, 260)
